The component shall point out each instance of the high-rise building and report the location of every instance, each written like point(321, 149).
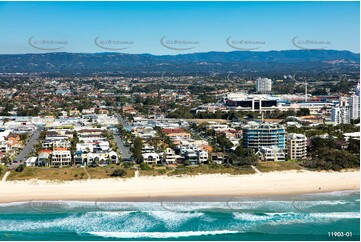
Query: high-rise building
point(263, 85)
point(341, 114)
point(256, 136)
point(296, 146)
point(354, 102)
point(346, 109)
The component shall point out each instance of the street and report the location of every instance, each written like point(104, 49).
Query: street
point(126, 154)
point(20, 158)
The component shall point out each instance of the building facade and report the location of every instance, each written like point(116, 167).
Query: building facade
point(263, 85)
point(354, 102)
point(263, 135)
point(61, 157)
point(271, 154)
point(341, 114)
point(296, 146)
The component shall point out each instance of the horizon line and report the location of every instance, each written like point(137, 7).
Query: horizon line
point(212, 51)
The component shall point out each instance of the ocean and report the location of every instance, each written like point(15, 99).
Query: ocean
point(322, 216)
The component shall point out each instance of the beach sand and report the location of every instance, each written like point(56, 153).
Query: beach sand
point(143, 188)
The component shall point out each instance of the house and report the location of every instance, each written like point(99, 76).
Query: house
point(43, 157)
point(172, 130)
point(31, 161)
point(60, 141)
point(217, 157)
point(147, 149)
point(150, 158)
point(183, 135)
point(169, 156)
point(202, 156)
point(113, 157)
point(191, 156)
point(80, 157)
point(99, 159)
point(271, 153)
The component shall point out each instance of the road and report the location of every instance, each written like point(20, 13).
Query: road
point(122, 148)
point(120, 119)
point(20, 158)
point(126, 154)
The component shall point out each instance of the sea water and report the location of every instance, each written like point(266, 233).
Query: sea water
point(322, 216)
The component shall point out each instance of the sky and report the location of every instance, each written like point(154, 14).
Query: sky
point(168, 28)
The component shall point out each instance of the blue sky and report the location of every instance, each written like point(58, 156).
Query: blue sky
point(205, 25)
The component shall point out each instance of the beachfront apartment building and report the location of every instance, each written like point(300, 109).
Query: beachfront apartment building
point(296, 146)
point(263, 85)
point(257, 135)
point(60, 157)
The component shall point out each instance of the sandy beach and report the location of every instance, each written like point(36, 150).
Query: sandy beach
point(273, 183)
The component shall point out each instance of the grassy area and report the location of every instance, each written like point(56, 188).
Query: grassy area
point(78, 173)
point(2, 171)
point(211, 169)
point(65, 174)
point(156, 171)
point(278, 166)
point(105, 172)
point(46, 173)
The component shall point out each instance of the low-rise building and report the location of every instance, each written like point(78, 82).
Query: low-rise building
point(271, 154)
point(169, 156)
point(150, 158)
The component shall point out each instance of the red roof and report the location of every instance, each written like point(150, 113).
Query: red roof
point(45, 151)
point(61, 149)
point(172, 130)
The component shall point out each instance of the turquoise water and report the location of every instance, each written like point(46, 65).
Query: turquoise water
point(301, 217)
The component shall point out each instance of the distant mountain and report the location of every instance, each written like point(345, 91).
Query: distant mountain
point(328, 61)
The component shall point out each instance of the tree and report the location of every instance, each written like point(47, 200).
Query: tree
point(303, 112)
point(332, 159)
point(145, 167)
point(137, 148)
point(119, 172)
point(319, 143)
point(354, 146)
point(20, 168)
point(244, 156)
point(224, 142)
point(6, 159)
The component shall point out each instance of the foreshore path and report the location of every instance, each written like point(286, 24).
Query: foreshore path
point(87, 173)
point(256, 170)
point(5, 176)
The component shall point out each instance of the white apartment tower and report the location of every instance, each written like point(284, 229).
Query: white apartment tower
point(347, 109)
point(354, 102)
point(263, 85)
point(341, 114)
point(296, 146)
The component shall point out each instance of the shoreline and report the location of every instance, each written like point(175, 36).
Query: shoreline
point(164, 188)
